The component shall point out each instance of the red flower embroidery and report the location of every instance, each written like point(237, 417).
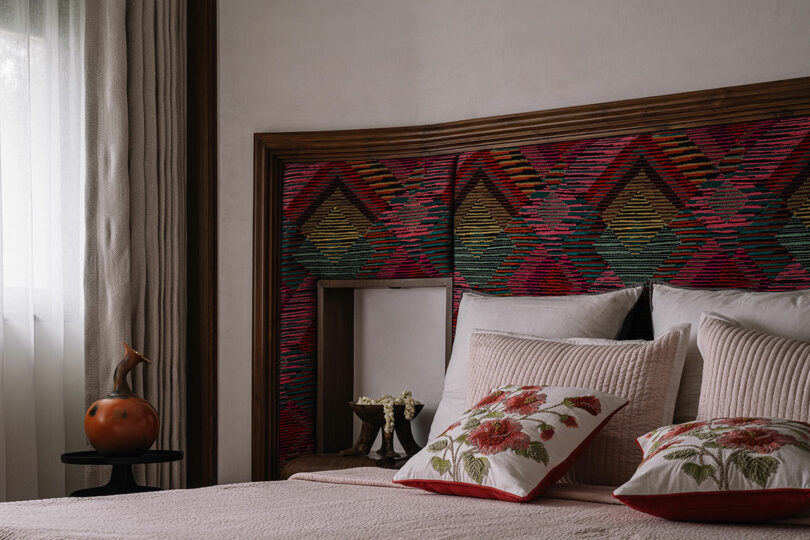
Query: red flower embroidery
point(538, 388)
point(525, 403)
point(741, 421)
point(494, 397)
point(681, 429)
point(498, 435)
point(586, 403)
point(759, 440)
point(569, 421)
point(546, 432)
point(454, 425)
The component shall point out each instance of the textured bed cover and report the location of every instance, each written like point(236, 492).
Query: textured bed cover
point(354, 503)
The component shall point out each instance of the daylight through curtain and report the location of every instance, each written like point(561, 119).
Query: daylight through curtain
point(41, 246)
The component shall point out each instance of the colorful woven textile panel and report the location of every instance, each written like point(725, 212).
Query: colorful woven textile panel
point(351, 220)
point(722, 206)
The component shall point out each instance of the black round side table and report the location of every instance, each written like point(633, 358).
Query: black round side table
point(121, 479)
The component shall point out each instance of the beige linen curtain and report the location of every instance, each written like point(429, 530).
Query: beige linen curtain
point(135, 290)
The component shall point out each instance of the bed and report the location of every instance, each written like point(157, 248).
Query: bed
point(707, 189)
point(356, 503)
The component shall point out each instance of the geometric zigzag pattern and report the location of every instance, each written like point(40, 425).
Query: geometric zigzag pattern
point(351, 220)
point(719, 206)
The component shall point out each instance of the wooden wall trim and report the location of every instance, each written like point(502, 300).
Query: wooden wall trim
point(675, 111)
point(201, 200)
point(266, 313)
point(778, 99)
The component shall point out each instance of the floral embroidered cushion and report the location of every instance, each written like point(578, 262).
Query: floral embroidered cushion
point(513, 444)
point(723, 470)
point(647, 373)
point(586, 315)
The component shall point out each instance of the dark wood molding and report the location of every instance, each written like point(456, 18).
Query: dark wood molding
point(674, 111)
point(266, 312)
point(778, 99)
point(201, 200)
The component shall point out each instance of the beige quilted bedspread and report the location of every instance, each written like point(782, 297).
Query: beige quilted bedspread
point(355, 503)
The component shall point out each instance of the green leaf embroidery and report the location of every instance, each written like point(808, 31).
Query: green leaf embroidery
point(655, 446)
point(440, 465)
point(702, 435)
point(494, 414)
point(437, 446)
point(711, 444)
point(684, 453)
point(476, 412)
point(755, 469)
point(536, 451)
point(462, 438)
point(698, 472)
point(471, 423)
point(476, 467)
point(804, 446)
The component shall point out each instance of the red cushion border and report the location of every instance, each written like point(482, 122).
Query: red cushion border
point(466, 489)
point(722, 506)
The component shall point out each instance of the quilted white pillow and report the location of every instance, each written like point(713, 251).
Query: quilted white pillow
point(513, 444)
point(585, 315)
point(644, 372)
point(780, 313)
point(750, 373)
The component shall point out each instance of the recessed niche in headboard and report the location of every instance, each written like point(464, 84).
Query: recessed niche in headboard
point(335, 375)
point(708, 189)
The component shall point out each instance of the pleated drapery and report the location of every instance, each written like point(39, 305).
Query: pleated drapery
point(135, 57)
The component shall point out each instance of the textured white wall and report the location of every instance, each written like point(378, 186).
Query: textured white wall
point(335, 64)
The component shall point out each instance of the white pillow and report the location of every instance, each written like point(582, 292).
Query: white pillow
point(646, 373)
point(780, 313)
point(584, 315)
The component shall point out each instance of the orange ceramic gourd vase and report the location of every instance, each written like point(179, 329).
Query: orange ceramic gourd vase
point(122, 424)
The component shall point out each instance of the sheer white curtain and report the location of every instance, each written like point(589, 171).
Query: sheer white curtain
point(41, 246)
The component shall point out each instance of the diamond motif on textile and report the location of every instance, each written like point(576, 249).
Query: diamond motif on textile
point(794, 237)
point(335, 226)
point(551, 212)
point(636, 223)
point(334, 235)
point(655, 192)
point(799, 202)
point(477, 229)
point(727, 200)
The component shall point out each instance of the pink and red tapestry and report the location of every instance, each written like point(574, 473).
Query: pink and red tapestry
point(351, 220)
point(719, 206)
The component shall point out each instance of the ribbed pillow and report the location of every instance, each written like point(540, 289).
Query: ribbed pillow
point(783, 313)
point(644, 372)
point(751, 373)
point(578, 315)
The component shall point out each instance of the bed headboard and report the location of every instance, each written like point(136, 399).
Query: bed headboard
point(706, 189)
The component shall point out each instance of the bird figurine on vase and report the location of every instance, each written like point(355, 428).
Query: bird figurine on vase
point(122, 424)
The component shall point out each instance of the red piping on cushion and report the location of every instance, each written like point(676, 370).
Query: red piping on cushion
point(465, 489)
point(722, 506)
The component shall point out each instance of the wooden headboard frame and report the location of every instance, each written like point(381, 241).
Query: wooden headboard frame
point(272, 151)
